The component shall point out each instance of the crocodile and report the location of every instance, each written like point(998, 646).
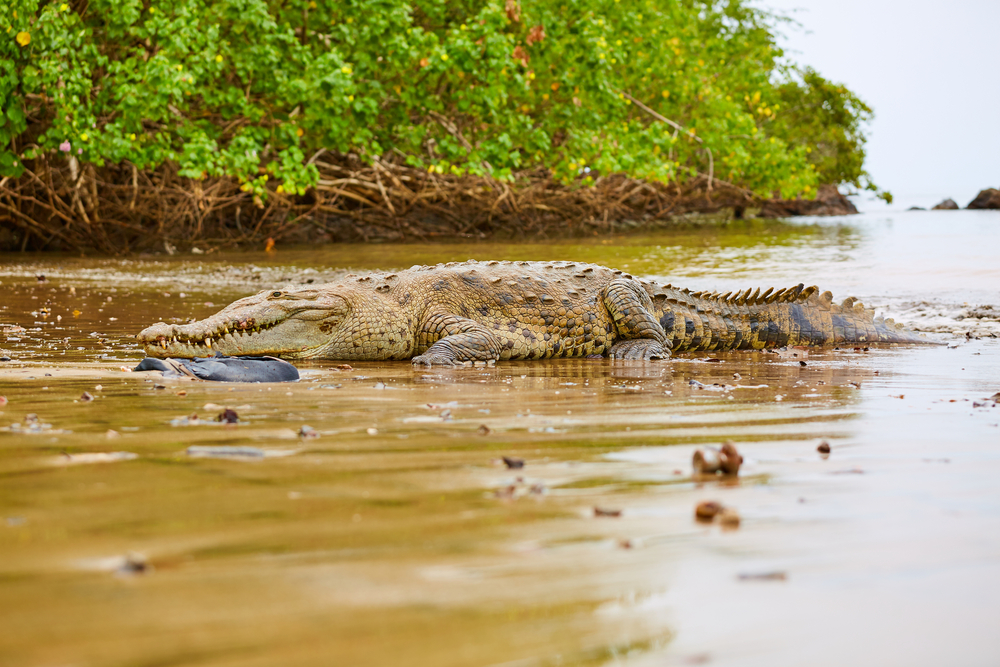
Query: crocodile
point(463, 312)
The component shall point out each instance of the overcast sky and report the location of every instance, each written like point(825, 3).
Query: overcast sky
point(931, 72)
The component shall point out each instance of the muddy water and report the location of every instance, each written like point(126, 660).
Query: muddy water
point(398, 535)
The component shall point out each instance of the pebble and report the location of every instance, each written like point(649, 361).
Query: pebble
point(228, 416)
point(824, 447)
point(729, 518)
point(706, 510)
point(725, 460)
point(484, 430)
point(86, 397)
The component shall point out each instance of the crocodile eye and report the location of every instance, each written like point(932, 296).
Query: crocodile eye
point(275, 294)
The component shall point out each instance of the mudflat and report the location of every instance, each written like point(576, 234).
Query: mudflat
point(367, 512)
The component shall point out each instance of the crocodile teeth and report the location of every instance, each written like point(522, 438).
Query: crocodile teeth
point(208, 342)
point(163, 344)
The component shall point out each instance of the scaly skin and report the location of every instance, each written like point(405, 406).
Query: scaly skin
point(489, 311)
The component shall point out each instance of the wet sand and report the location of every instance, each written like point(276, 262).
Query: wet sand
point(399, 531)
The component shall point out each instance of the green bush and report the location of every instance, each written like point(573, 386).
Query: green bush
point(252, 90)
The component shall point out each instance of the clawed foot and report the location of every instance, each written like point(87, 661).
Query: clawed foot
point(434, 359)
point(639, 349)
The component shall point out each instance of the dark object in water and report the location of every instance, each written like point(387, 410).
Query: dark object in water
point(600, 511)
point(824, 447)
point(224, 369)
point(946, 205)
point(512, 462)
point(228, 416)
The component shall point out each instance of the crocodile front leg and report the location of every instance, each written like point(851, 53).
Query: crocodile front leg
point(455, 340)
point(631, 310)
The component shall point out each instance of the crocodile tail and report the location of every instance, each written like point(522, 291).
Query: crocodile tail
point(751, 320)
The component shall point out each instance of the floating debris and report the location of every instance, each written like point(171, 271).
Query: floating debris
point(5, 358)
point(600, 511)
point(824, 448)
point(86, 397)
point(512, 462)
point(3, 401)
point(94, 457)
point(181, 393)
point(762, 576)
point(482, 430)
point(134, 563)
point(345, 367)
point(228, 416)
point(225, 451)
point(372, 431)
point(308, 432)
point(711, 460)
point(111, 434)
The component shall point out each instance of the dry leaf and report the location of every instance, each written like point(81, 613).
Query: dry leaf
point(536, 34)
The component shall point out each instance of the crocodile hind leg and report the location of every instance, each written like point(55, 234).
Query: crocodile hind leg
point(454, 340)
point(631, 310)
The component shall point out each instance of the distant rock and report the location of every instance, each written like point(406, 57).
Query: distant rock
point(919, 208)
point(946, 205)
point(988, 198)
point(828, 201)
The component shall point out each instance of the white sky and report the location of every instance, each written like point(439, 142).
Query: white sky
point(931, 72)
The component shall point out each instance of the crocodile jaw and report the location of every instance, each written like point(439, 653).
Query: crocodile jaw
point(293, 326)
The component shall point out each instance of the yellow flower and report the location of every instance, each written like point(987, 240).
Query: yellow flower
point(132, 136)
point(545, 96)
point(312, 5)
point(444, 56)
point(346, 69)
point(218, 59)
point(246, 187)
point(462, 27)
point(666, 94)
point(280, 189)
point(23, 38)
point(84, 137)
point(63, 7)
point(299, 132)
point(350, 98)
point(601, 56)
point(178, 67)
point(152, 10)
point(618, 42)
point(572, 166)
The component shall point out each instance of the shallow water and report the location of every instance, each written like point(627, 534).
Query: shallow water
point(398, 531)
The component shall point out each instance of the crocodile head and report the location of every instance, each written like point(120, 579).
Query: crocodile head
point(294, 324)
